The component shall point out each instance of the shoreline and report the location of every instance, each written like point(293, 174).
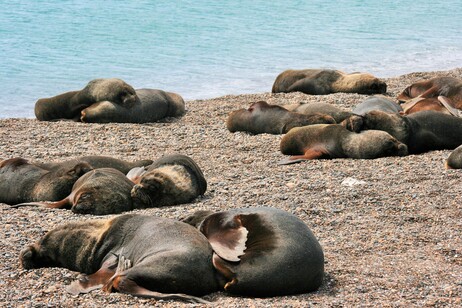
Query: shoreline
point(394, 241)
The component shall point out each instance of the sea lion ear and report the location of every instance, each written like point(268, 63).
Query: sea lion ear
point(80, 169)
point(227, 237)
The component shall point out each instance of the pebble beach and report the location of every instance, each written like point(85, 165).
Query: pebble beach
point(390, 228)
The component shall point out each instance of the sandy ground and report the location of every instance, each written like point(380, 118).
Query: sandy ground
point(395, 240)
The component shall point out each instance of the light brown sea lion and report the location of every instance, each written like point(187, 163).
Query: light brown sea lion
point(421, 131)
point(98, 161)
point(262, 118)
point(21, 181)
point(262, 251)
point(440, 104)
point(144, 256)
point(449, 87)
point(335, 141)
point(377, 102)
point(153, 105)
point(170, 180)
point(454, 160)
point(337, 113)
point(323, 81)
point(100, 191)
point(70, 104)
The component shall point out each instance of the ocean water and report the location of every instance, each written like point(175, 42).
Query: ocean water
point(203, 49)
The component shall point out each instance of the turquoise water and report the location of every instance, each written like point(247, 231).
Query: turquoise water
point(203, 49)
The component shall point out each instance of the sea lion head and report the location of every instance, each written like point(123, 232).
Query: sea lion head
point(367, 84)
point(148, 190)
point(394, 124)
point(114, 90)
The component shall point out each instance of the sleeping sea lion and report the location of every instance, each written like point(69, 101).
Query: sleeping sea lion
point(97, 161)
point(335, 141)
point(449, 87)
point(152, 106)
point(421, 131)
point(324, 81)
point(170, 180)
point(262, 118)
point(377, 102)
point(21, 181)
point(141, 255)
point(100, 191)
point(454, 160)
point(262, 251)
point(70, 104)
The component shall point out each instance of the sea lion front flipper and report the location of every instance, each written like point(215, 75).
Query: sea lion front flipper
point(135, 174)
point(95, 281)
point(220, 265)
point(227, 237)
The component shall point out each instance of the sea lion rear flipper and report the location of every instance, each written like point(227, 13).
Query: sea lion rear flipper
point(63, 204)
point(309, 154)
point(94, 281)
point(448, 104)
point(120, 282)
point(227, 238)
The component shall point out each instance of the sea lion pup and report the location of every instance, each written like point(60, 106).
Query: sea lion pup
point(421, 131)
point(21, 181)
point(70, 104)
point(141, 255)
point(170, 180)
point(262, 118)
point(153, 105)
point(335, 141)
point(449, 87)
point(454, 160)
point(377, 102)
point(97, 161)
point(324, 81)
point(262, 251)
point(100, 191)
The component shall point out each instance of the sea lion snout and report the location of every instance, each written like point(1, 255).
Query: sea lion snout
point(141, 197)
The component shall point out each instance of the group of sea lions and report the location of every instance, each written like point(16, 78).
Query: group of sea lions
point(424, 117)
point(251, 252)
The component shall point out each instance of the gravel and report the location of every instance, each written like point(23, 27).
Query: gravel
point(391, 233)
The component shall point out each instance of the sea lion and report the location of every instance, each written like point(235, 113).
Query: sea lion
point(421, 131)
point(449, 87)
point(337, 113)
point(21, 181)
point(335, 141)
point(170, 180)
point(262, 251)
point(324, 81)
point(70, 104)
point(97, 161)
point(141, 255)
point(454, 160)
point(377, 102)
point(153, 105)
point(100, 191)
point(262, 118)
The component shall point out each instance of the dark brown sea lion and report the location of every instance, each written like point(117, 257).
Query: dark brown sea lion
point(454, 160)
point(70, 104)
point(21, 181)
point(421, 131)
point(144, 256)
point(323, 81)
point(100, 191)
point(449, 87)
point(377, 102)
point(152, 106)
point(170, 180)
point(335, 141)
point(262, 118)
point(262, 251)
point(97, 161)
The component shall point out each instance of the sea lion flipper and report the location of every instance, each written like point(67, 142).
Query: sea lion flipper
point(448, 104)
point(310, 153)
point(227, 239)
point(63, 204)
point(135, 174)
point(95, 281)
